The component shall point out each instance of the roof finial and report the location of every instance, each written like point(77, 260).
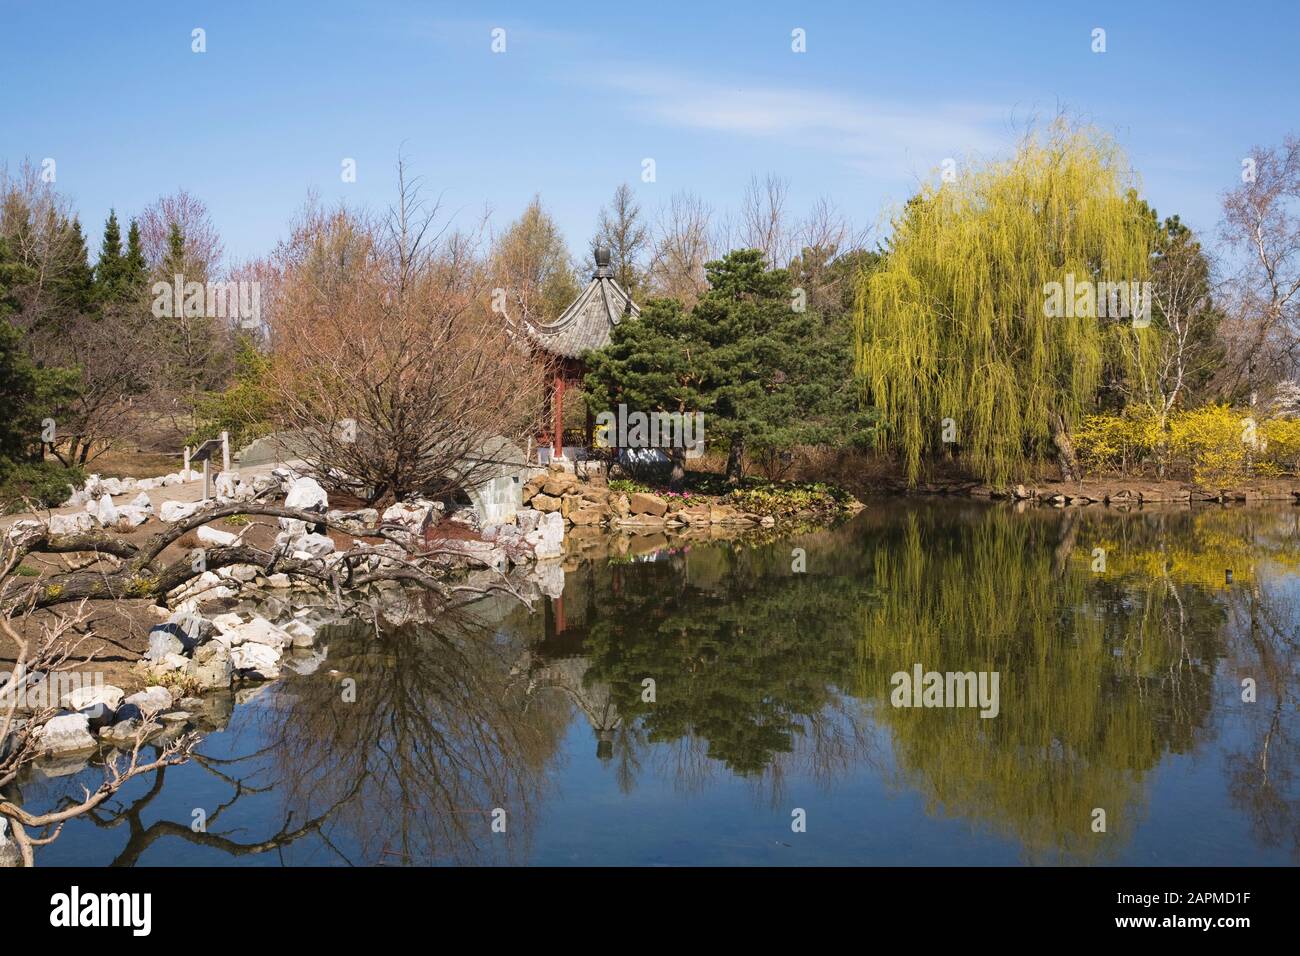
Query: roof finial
point(603, 270)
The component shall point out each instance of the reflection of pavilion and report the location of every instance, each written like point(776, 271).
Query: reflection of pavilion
point(559, 662)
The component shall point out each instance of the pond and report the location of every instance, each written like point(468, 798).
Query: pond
point(725, 703)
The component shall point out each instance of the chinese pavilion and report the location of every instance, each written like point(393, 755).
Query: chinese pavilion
point(586, 324)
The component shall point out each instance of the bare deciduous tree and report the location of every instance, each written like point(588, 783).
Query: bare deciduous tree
point(681, 247)
point(763, 218)
point(622, 231)
point(394, 370)
point(1262, 230)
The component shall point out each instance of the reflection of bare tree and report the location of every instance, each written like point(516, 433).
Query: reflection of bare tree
point(142, 837)
point(438, 736)
point(1262, 773)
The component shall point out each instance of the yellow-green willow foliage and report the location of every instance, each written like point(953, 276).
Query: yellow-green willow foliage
point(952, 325)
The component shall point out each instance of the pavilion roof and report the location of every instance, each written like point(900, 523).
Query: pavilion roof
point(588, 322)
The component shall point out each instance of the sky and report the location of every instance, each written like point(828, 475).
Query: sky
point(583, 94)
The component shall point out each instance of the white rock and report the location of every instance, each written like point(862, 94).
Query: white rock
point(132, 515)
point(225, 623)
point(412, 514)
point(66, 733)
point(317, 545)
point(258, 631)
point(112, 486)
point(306, 494)
point(142, 502)
point(173, 511)
point(78, 523)
point(96, 703)
point(152, 700)
point(225, 485)
point(128, 484)
point(218, 539)
point(258, 660)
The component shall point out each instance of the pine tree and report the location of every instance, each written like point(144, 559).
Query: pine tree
point(135, 269)
point(765, 374)
point(109, 270)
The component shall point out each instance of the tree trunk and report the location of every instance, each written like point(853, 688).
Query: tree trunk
point(1064, 447)
point(735, 461)
point(678, 477)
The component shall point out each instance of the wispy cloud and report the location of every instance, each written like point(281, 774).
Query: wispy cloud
point(877, 137)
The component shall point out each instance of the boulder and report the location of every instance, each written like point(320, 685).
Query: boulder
point(257, 661)
point(65, 734)
point(226, 485)
point(214, 673)
point(559, 485)
point(527, 519)
point(414, 516)
point(644, 504)
point(588, 515)
point(151, 700)
point(257, 631)
point(97, 703)
point(215, 538)
point(105, 513)
point(78, 523)
point(306, 494)
point(547, 539)
point(317, 545)
point(132, 516)
point(174, 511)
point(545, 503)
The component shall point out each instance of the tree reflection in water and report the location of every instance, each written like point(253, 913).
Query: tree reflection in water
point(767, 675)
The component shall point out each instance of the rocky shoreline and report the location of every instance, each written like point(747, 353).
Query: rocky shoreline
point(1115, 494)
point(226, 633)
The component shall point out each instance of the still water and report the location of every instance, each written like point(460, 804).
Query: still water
point(704, 702)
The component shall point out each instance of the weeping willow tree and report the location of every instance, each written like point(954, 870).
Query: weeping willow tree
point(955, 324)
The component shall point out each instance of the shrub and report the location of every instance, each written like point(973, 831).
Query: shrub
point(44, 483)
point(1115, 442)
point(1280, 439)
point(1214, 442)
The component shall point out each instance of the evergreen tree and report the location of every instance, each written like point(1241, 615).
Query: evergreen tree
point(110, 269)
point(135, 268)
point(765, 373)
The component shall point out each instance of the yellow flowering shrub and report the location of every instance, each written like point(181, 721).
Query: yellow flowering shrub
point(1280, 441)
point(1215, 441)
point(1114, 442)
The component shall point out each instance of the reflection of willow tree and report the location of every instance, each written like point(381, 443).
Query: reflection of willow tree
point(1097, 679)
point(438, 736)
point(747, 658)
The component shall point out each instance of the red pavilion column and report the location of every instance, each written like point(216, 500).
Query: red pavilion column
point(557, 408)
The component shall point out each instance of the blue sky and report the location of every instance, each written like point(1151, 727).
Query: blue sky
point(584, 92)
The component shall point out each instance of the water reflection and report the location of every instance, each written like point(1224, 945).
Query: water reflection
point(717, 663)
